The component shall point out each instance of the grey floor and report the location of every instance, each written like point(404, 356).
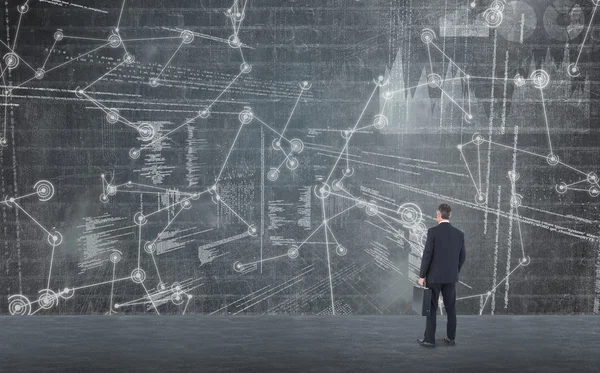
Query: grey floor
point(296, 344)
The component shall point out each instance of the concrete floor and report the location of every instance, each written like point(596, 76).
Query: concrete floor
point(296, 344)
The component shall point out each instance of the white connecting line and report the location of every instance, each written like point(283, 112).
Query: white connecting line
point(44, 191)
point(296, 145)
point(591, 177)
point(435, 80)
point(573, 69)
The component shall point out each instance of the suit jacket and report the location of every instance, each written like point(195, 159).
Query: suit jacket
point(444, 254)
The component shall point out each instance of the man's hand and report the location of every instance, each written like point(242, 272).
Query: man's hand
point(422, 281)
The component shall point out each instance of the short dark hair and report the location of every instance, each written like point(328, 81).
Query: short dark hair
point(444, 210)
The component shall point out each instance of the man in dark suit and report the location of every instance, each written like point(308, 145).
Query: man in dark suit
point(443, 257)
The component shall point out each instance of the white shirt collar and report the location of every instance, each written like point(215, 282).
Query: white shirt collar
point(444, 221)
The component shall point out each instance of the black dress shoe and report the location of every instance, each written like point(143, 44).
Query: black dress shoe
point(449, 341)
point(425, 344)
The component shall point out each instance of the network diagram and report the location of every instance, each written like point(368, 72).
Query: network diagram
point(177, 292)
point(540, 79)
point(405, 216)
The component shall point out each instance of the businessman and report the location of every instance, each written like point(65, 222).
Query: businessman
point(443, 257)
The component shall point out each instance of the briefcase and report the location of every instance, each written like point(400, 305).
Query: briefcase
point(422, 300)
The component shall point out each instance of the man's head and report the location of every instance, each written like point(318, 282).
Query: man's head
point(443, 212)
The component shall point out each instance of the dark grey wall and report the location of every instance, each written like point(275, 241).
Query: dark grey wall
point(435, 112)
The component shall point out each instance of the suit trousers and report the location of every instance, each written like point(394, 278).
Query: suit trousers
point(449, 294)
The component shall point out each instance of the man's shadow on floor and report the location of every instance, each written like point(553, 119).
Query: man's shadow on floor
point(441, 342)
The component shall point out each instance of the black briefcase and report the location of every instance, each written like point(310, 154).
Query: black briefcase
point(422, 300)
